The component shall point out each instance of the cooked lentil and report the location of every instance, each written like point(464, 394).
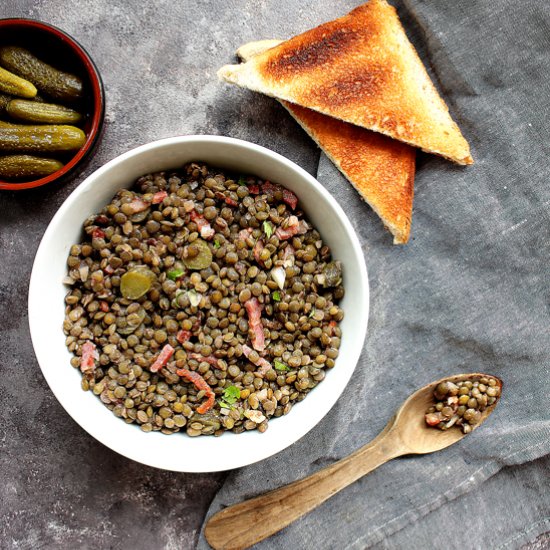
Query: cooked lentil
point(202, 302)
point(461, 404)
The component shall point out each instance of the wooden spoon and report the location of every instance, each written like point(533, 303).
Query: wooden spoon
point(242, 525)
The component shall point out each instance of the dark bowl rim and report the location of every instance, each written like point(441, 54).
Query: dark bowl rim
point(98, 92)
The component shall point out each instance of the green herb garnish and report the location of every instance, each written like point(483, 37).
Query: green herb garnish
point(175, 274)
point(242, 180)
point(312, 312)
point(231, 394)
point(268, 229)
point(217, 244)
point(276, 296)
point(279, 365)
point(224, 405)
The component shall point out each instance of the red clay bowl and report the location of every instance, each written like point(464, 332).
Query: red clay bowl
point(57, 48)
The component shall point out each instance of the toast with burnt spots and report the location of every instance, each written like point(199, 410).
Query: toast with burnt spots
point(362, 69)
point(380, 168)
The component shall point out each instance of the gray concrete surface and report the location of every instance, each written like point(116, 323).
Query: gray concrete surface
point(59, 488)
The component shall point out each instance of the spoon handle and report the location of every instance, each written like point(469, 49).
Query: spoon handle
point(244, 524)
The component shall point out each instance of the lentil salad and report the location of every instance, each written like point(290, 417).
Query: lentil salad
point(202, 302)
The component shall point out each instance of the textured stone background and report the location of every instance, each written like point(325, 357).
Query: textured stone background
point(59, 488)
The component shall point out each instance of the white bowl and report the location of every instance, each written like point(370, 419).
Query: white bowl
point(46, 306)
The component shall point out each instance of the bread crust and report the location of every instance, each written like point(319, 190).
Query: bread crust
point(381, 169)
point(362, 69)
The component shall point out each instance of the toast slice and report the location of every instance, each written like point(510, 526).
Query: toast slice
point(362, 69)
point(380, 168)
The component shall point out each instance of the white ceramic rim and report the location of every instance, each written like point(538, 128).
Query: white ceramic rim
point(259, 449)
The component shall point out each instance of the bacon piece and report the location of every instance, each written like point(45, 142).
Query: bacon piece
point(433, 419)
point(165, 353)
point(226, 199)
point(254, 311)
point(98, 233)
point(258, 247)
point(89, 356)
point(261, 362)
point(183, 335)
point(200, 383)
point(205, 228)
point(159, 197)
point(290, 198)
point(104, 306)
point(270, 189)
point(294, 227)
point(210, 359)
point(101, 219)
point(138, 205)
point(254, 189)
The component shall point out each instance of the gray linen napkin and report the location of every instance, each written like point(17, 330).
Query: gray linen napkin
point(469, 293)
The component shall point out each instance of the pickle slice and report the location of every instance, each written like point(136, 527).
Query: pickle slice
point(197, 255)
point(136, 282)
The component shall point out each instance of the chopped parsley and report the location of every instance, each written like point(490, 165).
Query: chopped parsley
point(268, 229)
point(276, 296)
point(279, 365)
point(230, 396)
point(175, 274)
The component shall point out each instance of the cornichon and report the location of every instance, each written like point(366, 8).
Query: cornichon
point(57, 84)
point(40, 139)
point(12, 84)
point(43, 113)
point(27, 166)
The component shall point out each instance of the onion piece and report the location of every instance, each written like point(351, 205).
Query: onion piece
point(278, 274)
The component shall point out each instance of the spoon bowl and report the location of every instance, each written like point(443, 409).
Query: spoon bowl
point(242, 525)
point(419, 438)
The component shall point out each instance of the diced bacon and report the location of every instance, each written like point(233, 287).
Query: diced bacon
point(183, 335)
point(290, 198)
point(159, 197)
point(98, 233)
point(163, 357)
point(205, 228)
point(254, 311)
point(226, 199)
point(104, 306)
point(210, 359)
point(188, 206)
point(270, 189)
point(294, 227)
point(261, 362)
point(254, 189)
point(258, 247)
point(101, 219)
point(109, 269)
point(138, 205)
point(433, 419)
point(245, 233)
point(332, 324)
point(200, 383)
point(89, 356)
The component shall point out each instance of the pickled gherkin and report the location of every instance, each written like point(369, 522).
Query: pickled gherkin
point(136, 282)
point(53, 82)
point(42, 113)
point(199, 255)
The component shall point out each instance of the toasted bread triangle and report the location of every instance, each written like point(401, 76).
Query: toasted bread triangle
point(361, 69)
point(380, 168)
